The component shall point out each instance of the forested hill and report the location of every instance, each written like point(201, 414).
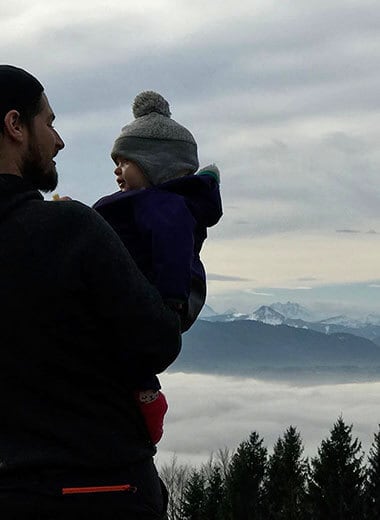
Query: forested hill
point(242, 347)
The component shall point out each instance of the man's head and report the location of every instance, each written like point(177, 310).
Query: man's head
point(162, 148)
point(19, 91)
point(28, 140)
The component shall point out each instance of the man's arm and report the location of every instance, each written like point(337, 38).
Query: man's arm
point(132, 309)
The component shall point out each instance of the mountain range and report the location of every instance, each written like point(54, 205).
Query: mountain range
point(270, 344)
point(297, 316)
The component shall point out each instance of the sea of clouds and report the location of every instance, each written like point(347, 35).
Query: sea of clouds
point(208, 413)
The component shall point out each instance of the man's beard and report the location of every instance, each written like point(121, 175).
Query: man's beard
point(40, 176)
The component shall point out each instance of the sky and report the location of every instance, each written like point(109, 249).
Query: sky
point(282, 95)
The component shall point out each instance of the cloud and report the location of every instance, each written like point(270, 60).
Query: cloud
point(257, 293)
point(294, 288)
point(347, 231)
point(223, 278)
point(223, 411)
point(375, 286)
point(285, 137)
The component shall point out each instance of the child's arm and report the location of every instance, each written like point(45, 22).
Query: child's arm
point(212, 170)
point(172, 239)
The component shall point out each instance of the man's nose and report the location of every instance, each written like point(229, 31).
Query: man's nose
point(60, 143)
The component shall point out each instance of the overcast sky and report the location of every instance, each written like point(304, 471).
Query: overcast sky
point(283, 95)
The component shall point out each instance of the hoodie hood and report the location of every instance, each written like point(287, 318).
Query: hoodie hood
point(14, 191)
point(202, 196)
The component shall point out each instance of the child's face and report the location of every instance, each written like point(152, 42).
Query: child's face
point(129, 176)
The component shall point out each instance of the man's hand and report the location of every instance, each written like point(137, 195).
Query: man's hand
point(57, 197)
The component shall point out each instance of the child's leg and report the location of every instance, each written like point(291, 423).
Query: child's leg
point(153, 406)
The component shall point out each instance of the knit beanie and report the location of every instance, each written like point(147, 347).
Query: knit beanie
point(19, 90)
point(160, 146)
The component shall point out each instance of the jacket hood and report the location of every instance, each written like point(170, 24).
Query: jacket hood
point(202, 195)
point(14, 190)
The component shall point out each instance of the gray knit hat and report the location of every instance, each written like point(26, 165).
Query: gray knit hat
point(160, 146)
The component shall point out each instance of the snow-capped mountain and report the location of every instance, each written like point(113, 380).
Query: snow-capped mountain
point(373, 319)
point(292, 311)
point(207, 311)
point(233, 314)
point(368, 327)
point(344, 321)
point(267, 315)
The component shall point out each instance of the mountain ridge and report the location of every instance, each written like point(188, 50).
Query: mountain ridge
point(369, 328)
point(246, 347)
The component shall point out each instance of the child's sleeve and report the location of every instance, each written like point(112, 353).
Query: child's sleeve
point(211, 170)
point(173, 248)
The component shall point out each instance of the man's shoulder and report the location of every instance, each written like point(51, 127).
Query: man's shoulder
point(68, 208)
point(71, 214)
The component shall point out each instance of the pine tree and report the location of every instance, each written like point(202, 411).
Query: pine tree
point(373, 480)
point(193, 502)
point(245, 480)
point(337, 477)
point(285, 485)
point(214, 495)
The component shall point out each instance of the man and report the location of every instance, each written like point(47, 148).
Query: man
point(78, 321)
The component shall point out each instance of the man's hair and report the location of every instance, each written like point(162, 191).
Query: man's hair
point(19, 91)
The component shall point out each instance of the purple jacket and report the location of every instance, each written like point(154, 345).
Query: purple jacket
point(164, 228)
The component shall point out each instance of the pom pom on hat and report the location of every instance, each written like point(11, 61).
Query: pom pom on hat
point(149, 101)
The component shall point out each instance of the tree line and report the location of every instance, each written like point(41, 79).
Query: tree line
point(339, 483)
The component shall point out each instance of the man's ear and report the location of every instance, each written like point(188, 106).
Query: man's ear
point(13, 126)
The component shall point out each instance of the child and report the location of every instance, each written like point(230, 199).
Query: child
point(161, 213)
